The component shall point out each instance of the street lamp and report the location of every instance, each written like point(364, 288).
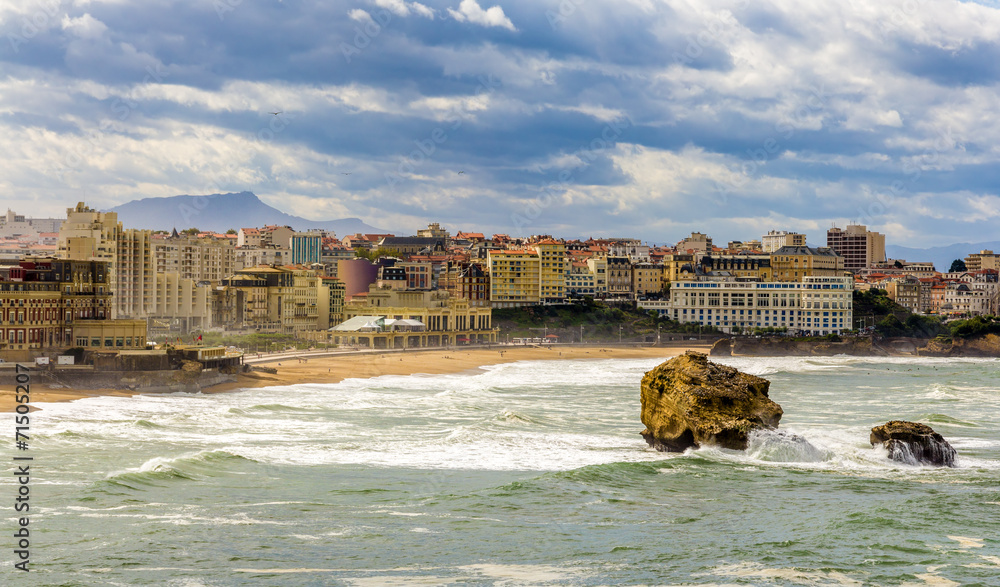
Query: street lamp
point(620, 327)
point(657, 334)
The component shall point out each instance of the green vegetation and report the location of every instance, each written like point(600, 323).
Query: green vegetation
point(874, 308)
point(890, 319)
point(600, 322)
point(957, 265)
point(975, 326)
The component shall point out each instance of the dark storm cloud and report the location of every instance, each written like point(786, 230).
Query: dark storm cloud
point(797, 109)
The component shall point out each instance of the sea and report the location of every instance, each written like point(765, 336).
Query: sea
point(527, 473)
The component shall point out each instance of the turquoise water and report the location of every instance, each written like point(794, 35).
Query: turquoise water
point(529, 473)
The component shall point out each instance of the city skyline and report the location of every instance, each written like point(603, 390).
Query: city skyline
point(573, 118)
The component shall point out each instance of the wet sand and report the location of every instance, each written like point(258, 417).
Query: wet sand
point(332, 369)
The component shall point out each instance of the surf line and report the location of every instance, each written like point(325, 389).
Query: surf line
point(22, 469)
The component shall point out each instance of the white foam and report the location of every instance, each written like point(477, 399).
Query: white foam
point(967, 542)
point(515, 416)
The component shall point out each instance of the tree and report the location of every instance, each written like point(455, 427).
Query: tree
point(957, 265)
point(897, 264)
point(231, 231)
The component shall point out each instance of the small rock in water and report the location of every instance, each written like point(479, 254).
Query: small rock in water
point(913, 444)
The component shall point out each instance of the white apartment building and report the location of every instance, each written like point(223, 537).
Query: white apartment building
point(775, 239)
point(817, 305)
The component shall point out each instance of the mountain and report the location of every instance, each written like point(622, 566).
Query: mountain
point(220, 212)
point(941, 256)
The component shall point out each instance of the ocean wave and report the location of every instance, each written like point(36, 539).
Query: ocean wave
point(191, 467)
point(945, 419)
point(782, 447)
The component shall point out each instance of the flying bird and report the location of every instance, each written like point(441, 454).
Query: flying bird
point(461, 172)
point(345, 173)
point(276, 113)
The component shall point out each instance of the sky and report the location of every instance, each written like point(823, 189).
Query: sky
point(641, 118)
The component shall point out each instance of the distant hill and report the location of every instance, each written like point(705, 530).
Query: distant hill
point(941, 256)
point(220, 212)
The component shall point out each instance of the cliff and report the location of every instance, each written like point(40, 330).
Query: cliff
point(784, 347)
point(689, 401)
point(981, 346)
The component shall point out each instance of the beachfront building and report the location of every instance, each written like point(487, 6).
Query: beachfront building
point(47, 303)
point(411, 319)
point(790, 264)
point(816, 305)
point(91, 236)
point(514, 277)
point(551, 271)
point(860, 247)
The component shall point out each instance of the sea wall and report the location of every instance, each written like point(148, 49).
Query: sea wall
point(160, 381)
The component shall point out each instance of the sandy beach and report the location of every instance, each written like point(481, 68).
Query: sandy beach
point(332, 369)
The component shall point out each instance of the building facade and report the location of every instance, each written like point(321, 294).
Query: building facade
point(775, 239)
point(514, 277)
point(791, 264)
point(49, 303)
point(443, 319)
point(815, 306)
point(860, 247)
point(551, 271)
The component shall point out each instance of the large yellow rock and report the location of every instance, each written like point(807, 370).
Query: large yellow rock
point(689, 401)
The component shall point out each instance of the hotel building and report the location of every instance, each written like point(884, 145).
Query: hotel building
point(815, 306)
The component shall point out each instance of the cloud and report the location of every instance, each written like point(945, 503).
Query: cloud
point(742, 117)
point(470, 11)
point(403, 8)
point(84, 27)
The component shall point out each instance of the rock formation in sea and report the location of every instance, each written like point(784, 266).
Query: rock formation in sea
point(913, 443)
point(690, 401)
